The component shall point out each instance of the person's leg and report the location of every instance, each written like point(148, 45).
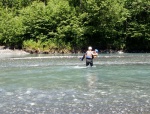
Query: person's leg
point(87, 62)
point(91, 62)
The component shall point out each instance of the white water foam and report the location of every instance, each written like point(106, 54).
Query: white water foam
point(79, 67)
point(47, 57)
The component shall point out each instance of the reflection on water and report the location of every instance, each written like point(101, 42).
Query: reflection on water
point(92, 80)
point(118, 84)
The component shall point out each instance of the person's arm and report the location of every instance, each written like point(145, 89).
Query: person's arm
point(95, 54)
point(82, 57)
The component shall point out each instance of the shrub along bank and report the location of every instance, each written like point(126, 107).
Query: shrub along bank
point(63, 26)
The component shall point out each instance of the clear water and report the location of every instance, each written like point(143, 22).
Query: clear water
point(61, 84)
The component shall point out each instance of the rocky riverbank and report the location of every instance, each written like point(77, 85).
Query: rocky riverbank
point(6, 51)
point(9, 52)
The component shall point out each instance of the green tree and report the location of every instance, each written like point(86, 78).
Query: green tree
point(138, 25)
point(10, 29)
point(101, 19)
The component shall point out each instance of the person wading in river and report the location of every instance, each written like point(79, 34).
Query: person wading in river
point(89, 55)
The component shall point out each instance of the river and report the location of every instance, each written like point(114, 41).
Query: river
point(61, 84)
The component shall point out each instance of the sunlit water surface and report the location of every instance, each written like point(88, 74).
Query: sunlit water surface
point(61, 84)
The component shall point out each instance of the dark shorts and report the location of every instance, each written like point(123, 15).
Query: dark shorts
point(89, 62)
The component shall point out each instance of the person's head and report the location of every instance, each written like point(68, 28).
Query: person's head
point(96, 50)
point(89, 48)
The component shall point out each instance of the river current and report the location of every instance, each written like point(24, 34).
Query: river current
point(62, 84)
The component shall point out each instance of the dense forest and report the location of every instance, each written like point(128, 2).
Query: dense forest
point(72, 25)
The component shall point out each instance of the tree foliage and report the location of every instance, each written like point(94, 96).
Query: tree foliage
point(75, 24)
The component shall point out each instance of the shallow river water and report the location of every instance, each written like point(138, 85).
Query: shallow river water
point(61, 84)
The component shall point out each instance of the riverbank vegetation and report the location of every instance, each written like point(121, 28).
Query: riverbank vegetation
point(72, 25)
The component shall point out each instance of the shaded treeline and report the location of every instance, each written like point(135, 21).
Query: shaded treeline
point(75, 24)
